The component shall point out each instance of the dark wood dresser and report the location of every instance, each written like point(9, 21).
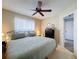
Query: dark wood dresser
point(49, 32)
point(4, 48)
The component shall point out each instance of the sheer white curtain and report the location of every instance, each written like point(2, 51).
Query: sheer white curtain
point(22, 24)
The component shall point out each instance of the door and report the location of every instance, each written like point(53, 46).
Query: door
point(68, 29)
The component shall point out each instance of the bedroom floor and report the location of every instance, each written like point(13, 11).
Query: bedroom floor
point(62, 53)
point(59, 53)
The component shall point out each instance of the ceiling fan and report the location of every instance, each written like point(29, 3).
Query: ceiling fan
point(39, 10)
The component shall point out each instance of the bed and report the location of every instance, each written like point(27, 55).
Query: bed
point(30, 48)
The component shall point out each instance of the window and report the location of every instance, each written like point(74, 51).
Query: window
point(22, 24)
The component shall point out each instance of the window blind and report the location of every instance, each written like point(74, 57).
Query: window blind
point(22, 24)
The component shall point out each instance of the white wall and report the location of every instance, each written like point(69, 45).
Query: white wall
point(8, 18)
point(75, 32)
point(69, 10)
point(68, 28)
point(51, 20)
point(59, 23)
point(61, 28)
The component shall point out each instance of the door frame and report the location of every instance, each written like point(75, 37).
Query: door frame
point(61, 27)
point(64, 29)
point(65, 24)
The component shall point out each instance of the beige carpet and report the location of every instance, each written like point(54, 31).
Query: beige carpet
point(61, 53)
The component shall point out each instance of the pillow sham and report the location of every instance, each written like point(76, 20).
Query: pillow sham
point(15, 36)
point(32, 33)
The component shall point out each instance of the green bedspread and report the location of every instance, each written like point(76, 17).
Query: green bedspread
point(30, 48)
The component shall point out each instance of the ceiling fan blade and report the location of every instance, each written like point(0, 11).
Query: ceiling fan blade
point(41, 13)
point(33, 9)
point(46, 10)
point(34, 13)
point(39, 4)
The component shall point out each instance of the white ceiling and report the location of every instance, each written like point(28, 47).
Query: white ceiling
point(24, 6)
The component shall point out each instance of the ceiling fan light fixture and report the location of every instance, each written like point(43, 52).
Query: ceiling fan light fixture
point(39, 10)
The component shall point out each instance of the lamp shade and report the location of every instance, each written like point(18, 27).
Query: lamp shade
point(3, 37)
point(2, 34)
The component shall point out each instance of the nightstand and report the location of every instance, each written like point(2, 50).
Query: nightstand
point(50, 33)
point(4, 43)
point(4, 48)
point(38, 35)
